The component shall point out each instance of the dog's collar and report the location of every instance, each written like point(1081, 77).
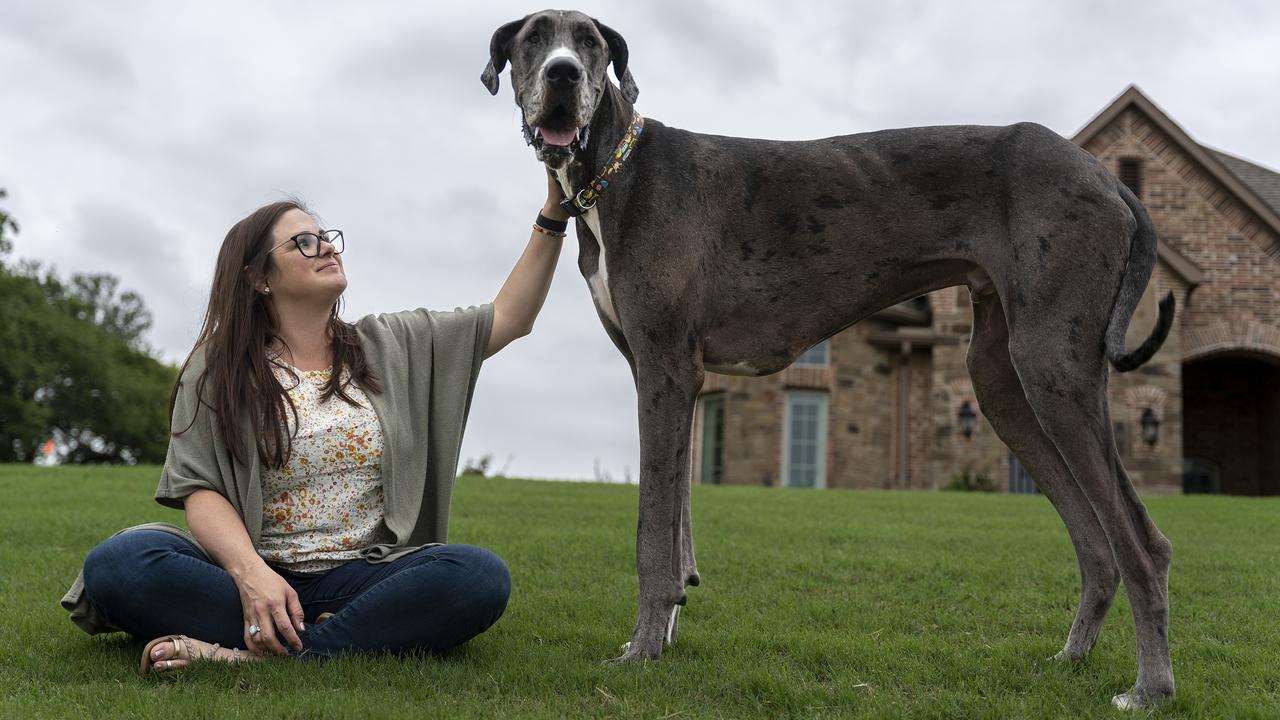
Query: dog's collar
point(586, 198)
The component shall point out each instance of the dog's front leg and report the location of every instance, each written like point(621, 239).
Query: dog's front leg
point(688, 564)
point(666, 393)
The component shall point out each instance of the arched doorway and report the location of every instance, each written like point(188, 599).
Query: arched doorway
point(1231, 424)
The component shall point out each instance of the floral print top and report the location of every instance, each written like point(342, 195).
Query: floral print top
point(325, 504)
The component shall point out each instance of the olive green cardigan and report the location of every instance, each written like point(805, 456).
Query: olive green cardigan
point(427, 362)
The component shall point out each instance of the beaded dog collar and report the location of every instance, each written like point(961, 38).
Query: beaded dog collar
point(586, 198)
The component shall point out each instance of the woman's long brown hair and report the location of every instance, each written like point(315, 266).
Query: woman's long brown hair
point(237, 331)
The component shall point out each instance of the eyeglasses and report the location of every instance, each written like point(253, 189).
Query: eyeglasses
point(309, 243)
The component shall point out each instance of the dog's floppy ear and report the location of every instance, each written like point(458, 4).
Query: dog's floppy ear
point(499, 52)
point(618, 55)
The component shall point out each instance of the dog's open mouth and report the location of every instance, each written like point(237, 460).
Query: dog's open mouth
point(557, 138)
point(556, 134)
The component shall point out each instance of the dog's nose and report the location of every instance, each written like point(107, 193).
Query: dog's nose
point(563, 72)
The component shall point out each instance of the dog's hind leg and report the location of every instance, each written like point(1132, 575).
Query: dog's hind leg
point(666, 390)
point(1066, 386)
point(1003, 403)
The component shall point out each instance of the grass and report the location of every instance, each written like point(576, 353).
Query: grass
point(813, 604)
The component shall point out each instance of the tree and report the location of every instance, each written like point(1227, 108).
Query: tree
point(124, 317)
point(6, 225)
point(73, 367)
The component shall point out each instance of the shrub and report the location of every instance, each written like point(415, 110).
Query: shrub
point(972, 481)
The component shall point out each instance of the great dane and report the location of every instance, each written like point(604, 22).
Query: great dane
point(733, 255)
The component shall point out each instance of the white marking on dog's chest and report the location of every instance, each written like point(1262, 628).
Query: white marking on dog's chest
point(599, 282)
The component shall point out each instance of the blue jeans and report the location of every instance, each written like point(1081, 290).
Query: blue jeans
point(151, 583)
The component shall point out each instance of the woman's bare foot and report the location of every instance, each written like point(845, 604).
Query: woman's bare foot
point(174, 652)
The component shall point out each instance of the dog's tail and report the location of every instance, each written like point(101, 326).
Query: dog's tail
point(1137, 271)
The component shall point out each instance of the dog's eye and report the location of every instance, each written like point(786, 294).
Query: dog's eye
point(533, 39)
point(588, 42)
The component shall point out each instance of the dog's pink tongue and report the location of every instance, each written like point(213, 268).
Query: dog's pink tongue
point(558, 137)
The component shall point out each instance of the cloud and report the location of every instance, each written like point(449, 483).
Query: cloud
point(710, 44)
point(141, 132)
point(62, 49)
point(104, 234)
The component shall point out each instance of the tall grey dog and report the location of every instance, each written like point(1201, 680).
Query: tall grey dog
point(735, 255)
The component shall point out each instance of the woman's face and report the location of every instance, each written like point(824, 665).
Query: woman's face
point(296, 277)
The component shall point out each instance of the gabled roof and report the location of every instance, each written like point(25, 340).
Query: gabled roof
point(1263, 181)
point(1191, 273)
point(1256, 187)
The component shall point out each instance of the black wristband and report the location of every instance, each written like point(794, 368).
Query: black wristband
point(554, 225)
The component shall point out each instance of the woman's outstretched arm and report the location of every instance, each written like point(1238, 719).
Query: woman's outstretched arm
point(522, 295)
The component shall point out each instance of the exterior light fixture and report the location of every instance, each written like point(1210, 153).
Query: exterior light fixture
point(1150, 427)
point(968, 418)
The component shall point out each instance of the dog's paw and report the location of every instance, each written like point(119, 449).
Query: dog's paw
point(1138, 700)
point(1062, 656)
point(626, 657)
point(632, 652)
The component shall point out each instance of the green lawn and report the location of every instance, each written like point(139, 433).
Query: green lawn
point(813, 604)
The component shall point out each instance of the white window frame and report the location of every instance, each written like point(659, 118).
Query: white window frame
point(820, 481)
point(826, 356)
point(703, 401)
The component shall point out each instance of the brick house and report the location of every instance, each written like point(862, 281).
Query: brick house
point(887, 403)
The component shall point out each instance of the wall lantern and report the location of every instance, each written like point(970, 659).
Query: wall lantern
point(1150, 427)
point(967, 419)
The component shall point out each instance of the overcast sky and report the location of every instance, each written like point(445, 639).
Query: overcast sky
point(134, 134)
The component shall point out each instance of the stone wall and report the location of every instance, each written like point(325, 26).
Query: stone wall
point(860, 412)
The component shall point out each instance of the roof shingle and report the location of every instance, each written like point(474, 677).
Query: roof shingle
point(1264, 183)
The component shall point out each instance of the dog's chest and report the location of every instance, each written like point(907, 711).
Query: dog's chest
point(599, 281)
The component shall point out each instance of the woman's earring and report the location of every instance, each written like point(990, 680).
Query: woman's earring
point(266, 291)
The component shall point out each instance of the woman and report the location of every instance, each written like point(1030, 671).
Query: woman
point(315, 530)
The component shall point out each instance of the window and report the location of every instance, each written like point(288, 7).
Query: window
point(712, 439)
point(1200, 475)
point(1131, 174)
point(804, 442)
point(816, 355)
point(1020, 481)
point(1120, 430)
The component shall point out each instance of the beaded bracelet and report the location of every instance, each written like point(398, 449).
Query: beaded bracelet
point(551, 233)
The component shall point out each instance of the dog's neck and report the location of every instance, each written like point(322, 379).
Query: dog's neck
point(610, 122)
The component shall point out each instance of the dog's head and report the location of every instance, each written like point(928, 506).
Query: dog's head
point(558, 62)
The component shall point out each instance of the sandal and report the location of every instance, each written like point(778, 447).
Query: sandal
point(182, 643)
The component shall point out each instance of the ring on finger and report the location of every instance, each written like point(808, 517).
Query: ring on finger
point(254, 629)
